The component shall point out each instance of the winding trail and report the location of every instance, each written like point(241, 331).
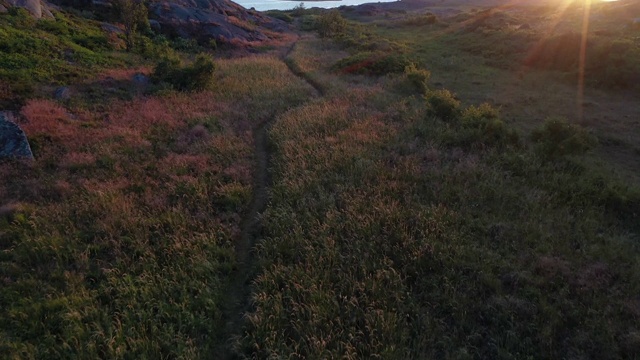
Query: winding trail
point(237, 301)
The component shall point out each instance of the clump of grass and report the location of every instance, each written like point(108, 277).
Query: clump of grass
point(557, 138)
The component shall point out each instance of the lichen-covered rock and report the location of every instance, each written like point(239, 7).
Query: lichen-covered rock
point(221, 20)
point(13, 141)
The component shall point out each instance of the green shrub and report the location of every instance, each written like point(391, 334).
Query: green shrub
point(21, 18)
point(197, 76)
point(373, 64)
point(56, 27)
point(298, 10)
point(417, 78)
point(280, 15)
point(443, 104)
point(330, 24)
point(481, 128)
point(557, 137)
point(308, 22)
point(200, 74)
point(186, 45)
point(420, 20)
point(477, 115)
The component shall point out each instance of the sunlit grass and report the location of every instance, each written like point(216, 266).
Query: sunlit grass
point(395, 234)
point(119, 240)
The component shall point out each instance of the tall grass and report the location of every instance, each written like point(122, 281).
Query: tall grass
point(118, 241)
point(386, 239)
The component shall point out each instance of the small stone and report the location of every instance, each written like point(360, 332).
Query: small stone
point(62, 93)
point(140, 79)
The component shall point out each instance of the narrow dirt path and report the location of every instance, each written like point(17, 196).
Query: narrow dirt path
point(239, 289)
point(297, 71)
point(237, 301)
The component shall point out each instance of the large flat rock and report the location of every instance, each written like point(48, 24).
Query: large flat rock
point(221, 20)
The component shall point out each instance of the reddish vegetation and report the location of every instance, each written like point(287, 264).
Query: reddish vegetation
point(123, 74)
point(45, 117)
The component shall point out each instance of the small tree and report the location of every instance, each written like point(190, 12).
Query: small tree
point(331, 24)
point(133, 15)
point(298, 10)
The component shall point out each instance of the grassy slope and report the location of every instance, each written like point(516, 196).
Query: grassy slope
point(389, 233)
point(392, 234)
point(118, 240)
point(486, 57)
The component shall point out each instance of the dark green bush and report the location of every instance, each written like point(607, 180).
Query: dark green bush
point(557, 137)
point(481, 128)
point(443, 104)
point(200, 74)
point(419, 20)
point(330, 24)
point(417, 79)
point(53, 26)
point(186, 45)
point(475, 116)
point(280, 15)
point(197, 76)
point(21, 18)
point(92, 42)
point(308, 22)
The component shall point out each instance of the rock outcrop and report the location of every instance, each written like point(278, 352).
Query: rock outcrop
point(221, 20)
point(37, 8)
point(13, 141)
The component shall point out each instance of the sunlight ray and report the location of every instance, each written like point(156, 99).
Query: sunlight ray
point(583, 56)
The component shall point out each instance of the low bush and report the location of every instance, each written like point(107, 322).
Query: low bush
point(197, 76)
point(419, 20)
point(557, 138)
point(280, 15)
point(443, 104)
point(479, 128)
point(330, 24)
point(475, 116)
point(417, 79)
point(491, 133)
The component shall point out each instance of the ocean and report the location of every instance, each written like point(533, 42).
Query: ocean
point(262, 5)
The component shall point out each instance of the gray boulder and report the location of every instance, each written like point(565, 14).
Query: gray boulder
point(37, 8)
point(13, 141)
point(221, 20)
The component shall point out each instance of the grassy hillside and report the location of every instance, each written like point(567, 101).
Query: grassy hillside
point(403, 220)
point(397, 233)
